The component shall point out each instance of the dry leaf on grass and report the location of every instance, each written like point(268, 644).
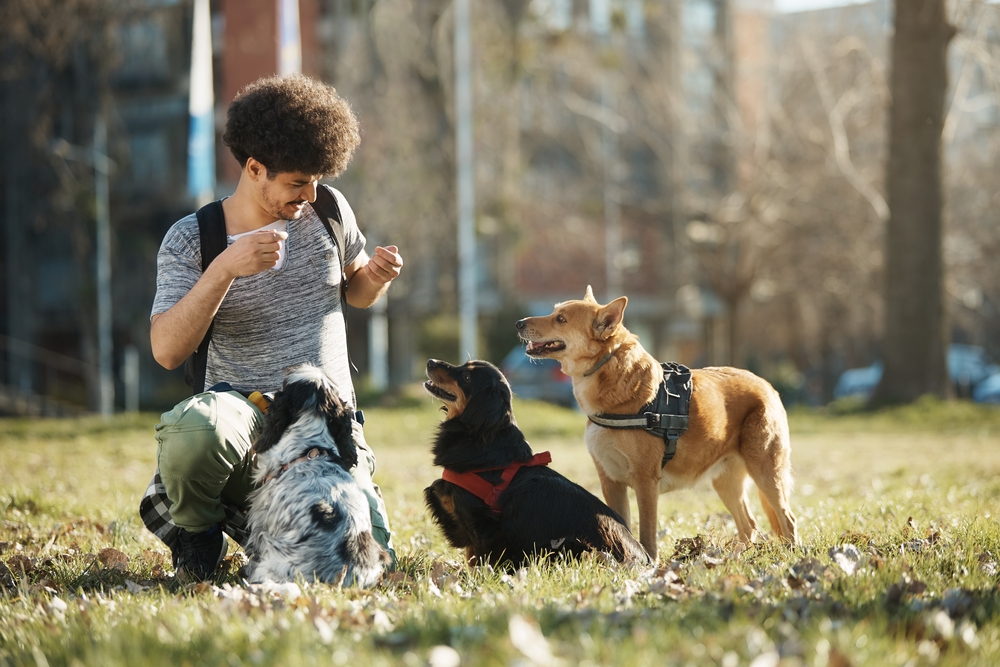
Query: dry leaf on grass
point(530, 641)
point(847, 557)
point(112, 559)
point(444, 656)
point(7, 582)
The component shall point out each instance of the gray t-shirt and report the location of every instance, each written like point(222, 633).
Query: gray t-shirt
point(274, 319)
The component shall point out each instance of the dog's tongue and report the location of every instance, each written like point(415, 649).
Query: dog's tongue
point(533, 345)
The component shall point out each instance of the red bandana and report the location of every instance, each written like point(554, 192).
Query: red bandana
point(488, 493)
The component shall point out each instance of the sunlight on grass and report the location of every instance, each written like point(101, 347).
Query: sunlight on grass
point(897, 510)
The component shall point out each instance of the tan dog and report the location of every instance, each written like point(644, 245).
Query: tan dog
point(737, 423)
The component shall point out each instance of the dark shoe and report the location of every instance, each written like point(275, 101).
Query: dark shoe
point(198, 555)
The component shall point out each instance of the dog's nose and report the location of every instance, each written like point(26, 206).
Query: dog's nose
point(520, 324)
point(433, 363)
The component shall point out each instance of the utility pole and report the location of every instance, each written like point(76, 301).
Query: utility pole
point(467, 296)
point(104, 343)
point(600, 25)
point(97, 157)
point(612, 203)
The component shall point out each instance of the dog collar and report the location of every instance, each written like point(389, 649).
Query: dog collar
point(490, 493)
point(308, 456)
point(604, 360)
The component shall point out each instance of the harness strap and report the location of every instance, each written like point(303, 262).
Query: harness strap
point(487, 492)
point(666, 416)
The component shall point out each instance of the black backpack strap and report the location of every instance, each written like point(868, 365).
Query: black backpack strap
point(212, 233)
point(328, 210)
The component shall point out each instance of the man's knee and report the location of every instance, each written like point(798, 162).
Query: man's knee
point(192, 454)
point(191, 445)
point(213, 430)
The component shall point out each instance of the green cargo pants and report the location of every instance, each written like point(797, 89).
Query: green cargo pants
point(206, 462)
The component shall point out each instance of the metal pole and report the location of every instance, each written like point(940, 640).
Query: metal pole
point(612, 206)
point(467, 296)
point(378, 346)
point(289, 38)
point(378, 338)
point(106, 382)
point(130, 372)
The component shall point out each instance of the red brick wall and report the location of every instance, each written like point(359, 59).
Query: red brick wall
point(251, 51)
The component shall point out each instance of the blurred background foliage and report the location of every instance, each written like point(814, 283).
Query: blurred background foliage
point(721, 162)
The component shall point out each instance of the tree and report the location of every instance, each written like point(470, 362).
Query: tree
point(58, 58)
point(915, 322)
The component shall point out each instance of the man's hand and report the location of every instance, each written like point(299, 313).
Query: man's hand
point(252, 254)
point(385, 265)
point(369, 277)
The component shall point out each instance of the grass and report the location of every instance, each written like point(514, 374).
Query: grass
point(897, 511)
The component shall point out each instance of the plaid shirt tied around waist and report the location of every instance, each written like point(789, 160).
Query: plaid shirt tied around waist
point(154, 510)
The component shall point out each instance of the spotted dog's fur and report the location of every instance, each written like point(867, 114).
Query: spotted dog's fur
point(309, 518)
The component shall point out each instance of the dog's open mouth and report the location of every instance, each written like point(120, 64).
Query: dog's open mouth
point(438, 392)
point(540, 347)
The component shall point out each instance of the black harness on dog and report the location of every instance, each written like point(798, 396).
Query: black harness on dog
point(666, 416)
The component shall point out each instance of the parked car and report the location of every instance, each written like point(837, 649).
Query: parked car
point(539, 379)
point(967, 369)
point(858, 381)
point(988, 391)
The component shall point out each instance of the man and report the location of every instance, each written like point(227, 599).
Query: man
point(274, 296)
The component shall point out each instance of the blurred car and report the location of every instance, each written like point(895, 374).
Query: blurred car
point(967, 368)
point(858, 381)
point(539, 379)
point(988, 391)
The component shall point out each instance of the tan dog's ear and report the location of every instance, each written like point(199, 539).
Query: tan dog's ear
point(609, 317)
point(589, 296)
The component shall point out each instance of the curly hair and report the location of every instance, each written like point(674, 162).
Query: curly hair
point(292, 124)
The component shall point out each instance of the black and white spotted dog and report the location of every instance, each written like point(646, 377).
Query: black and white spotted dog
point(309, 518)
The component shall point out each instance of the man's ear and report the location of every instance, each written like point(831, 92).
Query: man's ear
point(255, 169)
point(589, 296)
point(609, 317)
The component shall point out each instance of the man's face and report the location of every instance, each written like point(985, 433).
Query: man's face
point(285, 195)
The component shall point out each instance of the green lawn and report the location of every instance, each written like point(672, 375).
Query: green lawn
point(897, 512)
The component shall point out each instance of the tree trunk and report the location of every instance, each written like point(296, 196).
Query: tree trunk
point(915, 324)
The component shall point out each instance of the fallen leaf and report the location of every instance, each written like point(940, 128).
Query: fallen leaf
point(133, 587)
point(20, 564)
point(7, 582)
point(444, 656)
point(113, 559)
point(847, 557)
point(987, 564)
point(530, 641)
point(905, 586)
point(688, 548)
point(326, 634)
point(397, 578)
point(838, 659)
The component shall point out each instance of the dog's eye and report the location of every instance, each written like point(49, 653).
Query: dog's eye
point(560, 319)
point(467, 377)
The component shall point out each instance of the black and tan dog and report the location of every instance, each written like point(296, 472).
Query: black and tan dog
point(738, 428)
point(498, 500)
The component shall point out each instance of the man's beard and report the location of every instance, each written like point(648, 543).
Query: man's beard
point(278, 210)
